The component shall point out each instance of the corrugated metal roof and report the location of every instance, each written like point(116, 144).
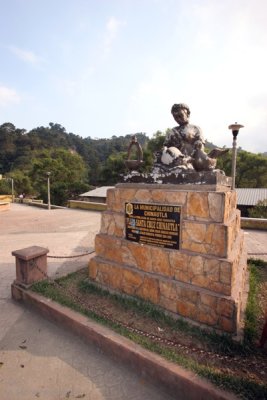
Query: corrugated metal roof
point(249, 196)
point(245, 196)
point(98, 192)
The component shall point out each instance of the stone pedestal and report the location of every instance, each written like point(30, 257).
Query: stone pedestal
point(203, 281)
point(31, 265)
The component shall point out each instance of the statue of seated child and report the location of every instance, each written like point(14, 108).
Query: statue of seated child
point(184, 146)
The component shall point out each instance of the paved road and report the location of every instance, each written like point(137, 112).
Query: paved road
point(39, 360)
point(256, 244)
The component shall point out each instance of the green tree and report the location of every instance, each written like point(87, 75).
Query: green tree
point(156, 143)
point(5, 187)
point(22, 182)
point(23, 153)
point(153, 146)
point(68, 172)
point(113, 169)
point(251, 169)
point(7, 146)
point(259, 211)
point(148, 161)
point(224, 163)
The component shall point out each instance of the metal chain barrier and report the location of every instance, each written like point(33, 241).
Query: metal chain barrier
point(78, 255)
point(239, 360)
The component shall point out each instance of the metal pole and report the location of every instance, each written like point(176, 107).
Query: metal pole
point(12, 189)
point(48, 191)
point(234, 159)
point(235, 129)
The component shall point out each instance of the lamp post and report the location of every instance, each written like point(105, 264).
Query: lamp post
point(235, 129)
point(12, 189)
point(48, 191)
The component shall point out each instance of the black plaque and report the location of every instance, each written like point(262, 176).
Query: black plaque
point(153, 224)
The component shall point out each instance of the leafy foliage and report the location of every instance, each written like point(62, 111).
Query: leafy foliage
point(251, 169)
point(5, 187)
point(68, 174)
point(252, 309)
point(156, 143)
point(259, 211)
point(114, 167)
point(77, 163)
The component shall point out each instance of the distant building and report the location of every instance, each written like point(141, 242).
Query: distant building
point(97, 195)
point(248, 198)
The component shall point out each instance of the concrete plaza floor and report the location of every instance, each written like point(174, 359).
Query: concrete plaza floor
point(37, 358)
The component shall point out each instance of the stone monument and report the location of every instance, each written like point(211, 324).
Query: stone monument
point(173, 237)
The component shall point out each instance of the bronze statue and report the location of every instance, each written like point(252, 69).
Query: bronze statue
point(184, 146)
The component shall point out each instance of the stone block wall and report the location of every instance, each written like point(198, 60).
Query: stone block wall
point(203, 281)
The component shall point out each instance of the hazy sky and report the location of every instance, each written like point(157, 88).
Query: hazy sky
point(105, 67)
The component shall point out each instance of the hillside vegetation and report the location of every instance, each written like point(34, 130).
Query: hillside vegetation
point(76, 164)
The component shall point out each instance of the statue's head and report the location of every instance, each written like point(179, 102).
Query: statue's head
point(180, 113)
point(180, 106)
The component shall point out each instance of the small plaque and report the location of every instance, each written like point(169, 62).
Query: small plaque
point(153, 224)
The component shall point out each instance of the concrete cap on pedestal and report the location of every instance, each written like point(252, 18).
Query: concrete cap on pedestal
point(30, 252)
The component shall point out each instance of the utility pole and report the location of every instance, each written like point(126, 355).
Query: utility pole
point(48, 191)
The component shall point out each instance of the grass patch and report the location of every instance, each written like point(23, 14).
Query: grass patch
point(223, 344)
point(245, 388)
point(252, 309)
point(49, 290)
point(219, 342)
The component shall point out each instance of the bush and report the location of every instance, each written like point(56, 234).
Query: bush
point(259, 211)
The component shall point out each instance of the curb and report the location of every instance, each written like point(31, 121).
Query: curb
point(177, 381)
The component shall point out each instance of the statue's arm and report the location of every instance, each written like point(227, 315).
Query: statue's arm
point(199, 139)
point(199, 135)
point(172, 139)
